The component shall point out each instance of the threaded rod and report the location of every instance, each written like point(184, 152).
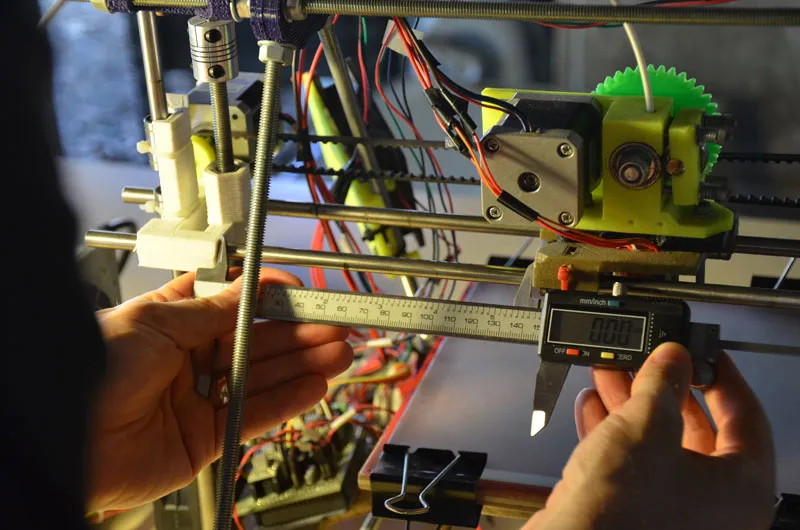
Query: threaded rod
point(221, 124)
point(237, 381)
point(547, 12)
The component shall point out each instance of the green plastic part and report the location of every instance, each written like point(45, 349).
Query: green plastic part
point(652, 210)
point(383, 242)
point(655, 210)
point(684, 91)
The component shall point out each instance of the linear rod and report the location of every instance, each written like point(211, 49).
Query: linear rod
point(477, 273)
point(338, 261)
point(762, 246)
point(551, 12)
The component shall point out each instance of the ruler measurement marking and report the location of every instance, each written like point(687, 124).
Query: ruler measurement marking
point(434, 317)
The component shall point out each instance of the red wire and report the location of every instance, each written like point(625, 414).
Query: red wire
point(419, 67)
point(392, 107)
point(364, 77)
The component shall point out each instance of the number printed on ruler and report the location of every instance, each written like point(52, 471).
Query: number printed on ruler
point(435, 317)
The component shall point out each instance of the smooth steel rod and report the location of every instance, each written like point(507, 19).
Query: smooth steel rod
point(148, 38)
point(552, 12)
point(136, 195)
point(762, 246)
point(339, 261)
point(768, 246)
point(478, 273)
point(724, 294)
point(394, 217)
point(344, 87)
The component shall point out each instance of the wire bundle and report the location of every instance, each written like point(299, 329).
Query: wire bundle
point(456, 124)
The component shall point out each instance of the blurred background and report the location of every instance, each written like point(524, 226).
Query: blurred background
point(100, 97)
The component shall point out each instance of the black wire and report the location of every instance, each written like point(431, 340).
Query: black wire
point(429, 62)
point(408, 524)
point(504, 105)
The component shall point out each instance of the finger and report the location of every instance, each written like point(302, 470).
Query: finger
point(328, 361)
point(589, 412)
point(658, 393)
point(698, 434)
point(193, 322)
point(266, 410)
point(613, 386)
point(180, 288)
point(273, 339)
point(741, 423)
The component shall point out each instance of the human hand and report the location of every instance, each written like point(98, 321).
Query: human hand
point(649, 458)
point(151, 432)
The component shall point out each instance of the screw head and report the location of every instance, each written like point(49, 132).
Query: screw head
point(213, 35)
point(492, 144)
point(703, 209)
point(529, 182)
point(565, 150)
point(493, 212)
point(675, 167)
point(566, 218)
point(216, 72)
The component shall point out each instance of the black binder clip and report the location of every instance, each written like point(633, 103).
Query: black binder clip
point(787, 513)
point(427, 485)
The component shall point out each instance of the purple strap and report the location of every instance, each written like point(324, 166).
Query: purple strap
point(266, 18)
point(216, 10)
point(269, 23)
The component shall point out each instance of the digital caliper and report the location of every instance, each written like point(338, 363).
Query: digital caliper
point(572, 327)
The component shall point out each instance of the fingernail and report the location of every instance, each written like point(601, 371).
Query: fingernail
point(678, 362)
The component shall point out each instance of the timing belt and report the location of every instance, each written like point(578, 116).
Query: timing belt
point(361, 174)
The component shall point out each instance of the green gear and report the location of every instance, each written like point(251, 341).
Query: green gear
point(685, 93)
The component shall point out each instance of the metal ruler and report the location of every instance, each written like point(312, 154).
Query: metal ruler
point(399, 313)
point(425, 316)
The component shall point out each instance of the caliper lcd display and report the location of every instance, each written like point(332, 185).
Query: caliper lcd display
point(597, 329)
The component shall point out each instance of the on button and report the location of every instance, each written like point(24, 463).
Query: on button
point(573, 351)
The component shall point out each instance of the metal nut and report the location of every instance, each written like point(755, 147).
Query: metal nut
point(566, 218)
point(566, 150)
point(492, 144)
point(271, 51)
point(294, 10)
point(493, 212)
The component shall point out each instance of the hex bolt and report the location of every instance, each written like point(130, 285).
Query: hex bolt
point(566, 218)
point(529, 182)
point(492, 144)
point(565, 150)
point(493, 212)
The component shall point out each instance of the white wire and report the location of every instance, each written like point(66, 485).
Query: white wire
point(50, 13)
point(639, 54)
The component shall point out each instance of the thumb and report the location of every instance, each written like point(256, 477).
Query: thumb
point(194, 322)
point(659, 390)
